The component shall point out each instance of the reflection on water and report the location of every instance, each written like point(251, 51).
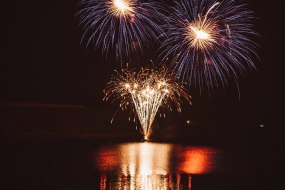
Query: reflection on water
point(197, 160)
point(148, 166)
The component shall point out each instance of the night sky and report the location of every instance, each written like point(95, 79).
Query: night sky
point(42, 61)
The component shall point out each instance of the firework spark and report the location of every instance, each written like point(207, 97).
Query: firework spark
point(209, 42)
point(120, 26)
point(146, 92)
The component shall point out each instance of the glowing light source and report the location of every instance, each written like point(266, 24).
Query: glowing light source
point(200, 34)
point(146, 92)
point(203, 32)
point(188, 122)
point(120, 4)
point(121, 7)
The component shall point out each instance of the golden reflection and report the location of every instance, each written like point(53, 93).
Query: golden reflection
point(151, 166)
point(145, 158)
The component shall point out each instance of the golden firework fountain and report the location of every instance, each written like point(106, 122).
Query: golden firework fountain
point(147, 92)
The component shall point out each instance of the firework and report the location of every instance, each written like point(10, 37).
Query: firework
point(209, 42)
point(120, 26)
point(146, 92)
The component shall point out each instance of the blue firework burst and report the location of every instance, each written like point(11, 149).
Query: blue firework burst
point(209, 42)
point(120, 26)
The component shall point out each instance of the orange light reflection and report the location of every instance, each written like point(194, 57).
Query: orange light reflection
point(197, 160)
point(148, 166)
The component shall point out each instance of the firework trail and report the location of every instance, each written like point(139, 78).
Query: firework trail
point(120, 26)
point(146, 92)
point(209, 42)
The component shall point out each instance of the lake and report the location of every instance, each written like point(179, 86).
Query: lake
point(85, 164)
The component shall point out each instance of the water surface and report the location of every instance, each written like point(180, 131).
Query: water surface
point(81, 164)
point(153, 165)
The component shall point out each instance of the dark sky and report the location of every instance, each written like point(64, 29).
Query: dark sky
point(42, 61)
